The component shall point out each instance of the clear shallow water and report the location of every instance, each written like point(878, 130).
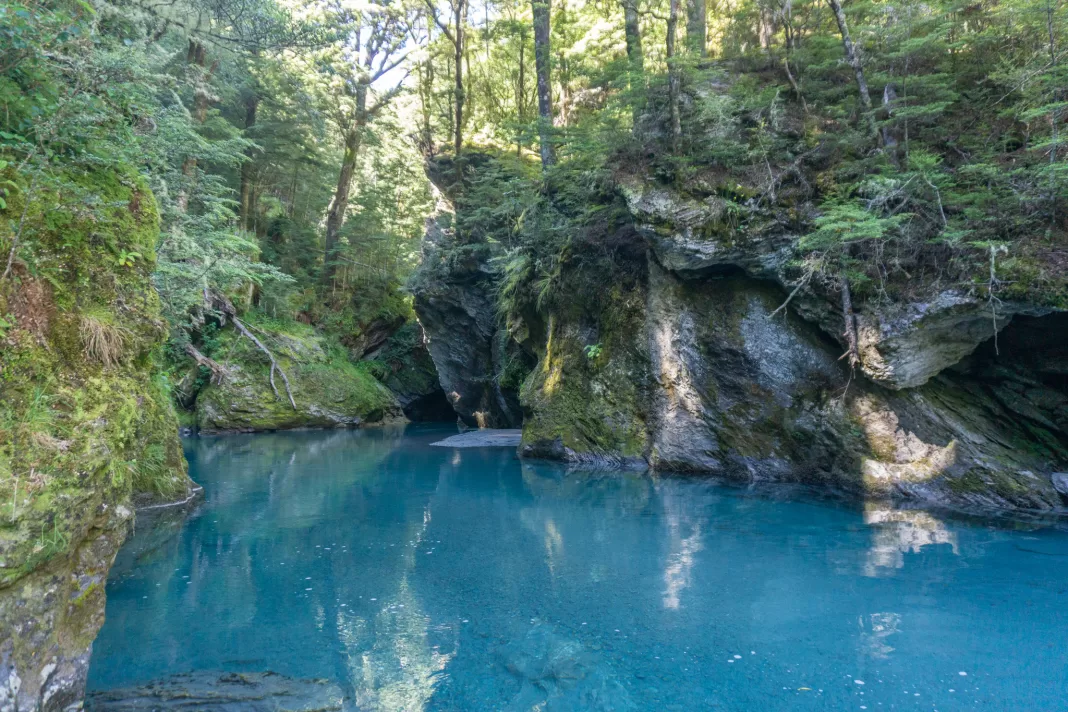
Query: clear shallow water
point(423, 578)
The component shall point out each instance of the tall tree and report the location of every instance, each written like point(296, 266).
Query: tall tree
point(377, 41)
point(632, 32)
point(541, 10)
point(455, 36)
point(674, 80)
point(200, 78)
point(246, 204)
point(853, 57)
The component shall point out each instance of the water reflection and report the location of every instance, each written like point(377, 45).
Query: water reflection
point(684, 542)
point(420, 578)
point(896, 532)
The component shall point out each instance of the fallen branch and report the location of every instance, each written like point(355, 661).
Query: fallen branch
point(219, 373)
point(797, 288)
point(990, 287)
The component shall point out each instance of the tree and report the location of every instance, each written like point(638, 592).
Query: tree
point(456, 37)
point(674, 78)
point(853, 57)
point(377, 46)
point(696, 27)
point(541, 11)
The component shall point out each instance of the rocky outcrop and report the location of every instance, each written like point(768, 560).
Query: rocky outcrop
point(85, 426)
point(407, 369)
point(455, 300)
point(328, 389)
point(698, 366)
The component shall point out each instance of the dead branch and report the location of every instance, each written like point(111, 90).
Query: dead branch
point(850, 334)
point(797, 288)
point(219, 373)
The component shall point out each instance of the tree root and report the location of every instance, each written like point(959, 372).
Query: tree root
point(223, 305)
point(274, 364)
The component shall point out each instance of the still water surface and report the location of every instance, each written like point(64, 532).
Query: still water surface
point(426, 578)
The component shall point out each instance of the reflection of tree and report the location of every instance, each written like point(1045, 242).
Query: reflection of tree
point(897, 531)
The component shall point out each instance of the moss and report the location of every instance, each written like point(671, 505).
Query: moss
point(79, 435)
point(593, 407)
point(329, 389)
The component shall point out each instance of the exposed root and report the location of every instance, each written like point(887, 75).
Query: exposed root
point(274, 364)
point(223, 305)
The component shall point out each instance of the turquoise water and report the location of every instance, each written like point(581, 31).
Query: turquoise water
point(423, 578)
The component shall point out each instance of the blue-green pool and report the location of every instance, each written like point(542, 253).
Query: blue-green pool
point(425, 578)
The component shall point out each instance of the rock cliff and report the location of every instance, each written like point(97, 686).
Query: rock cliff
point(699, 345)
point(696, 365)
point(86, 427)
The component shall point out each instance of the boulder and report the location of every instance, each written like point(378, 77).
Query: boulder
point(328, 389)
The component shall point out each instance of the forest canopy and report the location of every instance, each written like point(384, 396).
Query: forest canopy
point(285, 142)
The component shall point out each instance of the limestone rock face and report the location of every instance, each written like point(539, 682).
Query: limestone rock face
point(687, 234)
point(904, 346)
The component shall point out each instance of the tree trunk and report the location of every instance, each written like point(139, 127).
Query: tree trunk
point(696, 24)
point(674, 81)
point(541, 11)
point(252, 104)
point(853, 57)
point(521, 93)
point(458, 45)
point(196, 57)
point(635, 58)
point(340, 203)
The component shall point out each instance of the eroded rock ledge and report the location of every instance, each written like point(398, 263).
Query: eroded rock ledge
point(697, 367)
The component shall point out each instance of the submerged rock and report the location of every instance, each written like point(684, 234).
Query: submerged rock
point(222, 692)
point(559, 673)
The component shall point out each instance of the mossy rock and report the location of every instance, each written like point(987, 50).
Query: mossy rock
point(85, 424)
point(329, 390)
